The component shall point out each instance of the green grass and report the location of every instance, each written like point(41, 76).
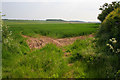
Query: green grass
point(55, 30)
point(85, 59)
point(50, 62)
point(89, 61)
point(40, 63)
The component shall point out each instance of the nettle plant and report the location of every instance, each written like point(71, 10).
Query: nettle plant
point(112, 45)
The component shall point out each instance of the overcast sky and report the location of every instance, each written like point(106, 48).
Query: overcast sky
point(84, 10)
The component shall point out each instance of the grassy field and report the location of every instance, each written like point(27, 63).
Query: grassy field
point(52, 29)
point(84, 59)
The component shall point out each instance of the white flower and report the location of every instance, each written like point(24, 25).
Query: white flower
point(110, 40)
point(111, 47)
point(107, 44)
point(114, 41)
point(118, 50)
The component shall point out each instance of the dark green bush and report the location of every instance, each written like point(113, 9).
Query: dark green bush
point(107, 8)
point(110, 28)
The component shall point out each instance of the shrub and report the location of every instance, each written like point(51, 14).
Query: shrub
point(106, 9)
point(110, 28)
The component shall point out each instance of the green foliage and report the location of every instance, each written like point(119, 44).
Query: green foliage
point(109, 36)
point(85, 59)
point(19, 62)
point(55, 30)
point(110, 28)
point(106, 9)
point(39, 64)
point(118, 74)
point(49, 62)
point(90, 62)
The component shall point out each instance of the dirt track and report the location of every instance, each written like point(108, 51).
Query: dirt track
point(43, 40)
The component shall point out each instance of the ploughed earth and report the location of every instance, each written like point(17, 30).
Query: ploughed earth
point(41, 41)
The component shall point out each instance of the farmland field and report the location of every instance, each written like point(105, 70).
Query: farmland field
point(80, 59)
point(52, 29)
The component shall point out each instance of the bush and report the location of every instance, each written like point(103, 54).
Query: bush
point(110, 28)
point(106, 9)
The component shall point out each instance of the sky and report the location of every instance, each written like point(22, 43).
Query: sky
point(82, 10)
point(0, 6)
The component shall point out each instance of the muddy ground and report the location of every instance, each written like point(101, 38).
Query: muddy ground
point(43, 40)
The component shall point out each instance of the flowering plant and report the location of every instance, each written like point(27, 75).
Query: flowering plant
point(112, 44)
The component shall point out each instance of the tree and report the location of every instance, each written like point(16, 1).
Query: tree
point(110, 28)
point(106, 9)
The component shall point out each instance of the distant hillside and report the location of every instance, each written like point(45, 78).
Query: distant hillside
point(54, 20)
point(76, 21)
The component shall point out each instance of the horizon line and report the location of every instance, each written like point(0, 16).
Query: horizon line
point(46, 19)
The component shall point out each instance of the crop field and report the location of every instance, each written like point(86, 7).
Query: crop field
point(35, 49)
point(52, 29)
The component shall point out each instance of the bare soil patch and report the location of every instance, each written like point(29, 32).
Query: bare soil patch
point(43, 40)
